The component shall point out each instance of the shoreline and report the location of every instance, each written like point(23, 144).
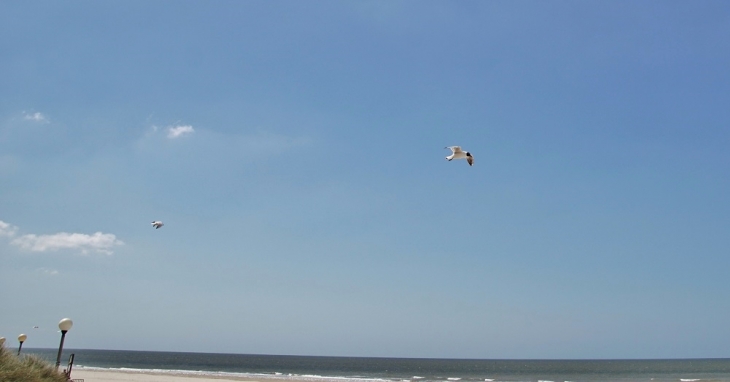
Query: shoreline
point(151, 375)
point(146, 376)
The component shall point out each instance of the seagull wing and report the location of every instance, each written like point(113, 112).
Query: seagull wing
point(470, 159)
point(454, 149)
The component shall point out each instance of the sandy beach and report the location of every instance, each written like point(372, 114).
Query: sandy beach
point(129, 376)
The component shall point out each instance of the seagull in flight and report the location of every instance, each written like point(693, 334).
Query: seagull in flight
point(157, 224)
point(457, 153)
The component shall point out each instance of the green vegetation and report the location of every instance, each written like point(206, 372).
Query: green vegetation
point(27, 368)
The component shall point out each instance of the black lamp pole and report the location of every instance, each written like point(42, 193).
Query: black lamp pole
point(64, 325)
point(60, 348)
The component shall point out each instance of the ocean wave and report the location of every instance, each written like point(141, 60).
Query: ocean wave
point(204, 373)
point(689, 380)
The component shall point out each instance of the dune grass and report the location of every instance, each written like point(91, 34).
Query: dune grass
point(27, 368)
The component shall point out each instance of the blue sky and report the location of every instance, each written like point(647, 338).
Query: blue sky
point(294, 151)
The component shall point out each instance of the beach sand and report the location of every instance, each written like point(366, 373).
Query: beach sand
point(133, 376)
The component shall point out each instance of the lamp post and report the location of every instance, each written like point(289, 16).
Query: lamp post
point(21, 339)
point(65, 325)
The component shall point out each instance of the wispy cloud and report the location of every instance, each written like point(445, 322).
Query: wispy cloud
point(97, 242)
point(209, 147)
point(7, 230)
point(35, 117)
point(46, 271)
point(174, 132)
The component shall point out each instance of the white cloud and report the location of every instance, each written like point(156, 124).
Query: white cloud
point(46, 271)
point(98, 242)
point(36, 117)
point(7, 229)
point(179, 131)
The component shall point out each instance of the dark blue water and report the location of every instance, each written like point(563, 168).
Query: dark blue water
point(399, 369)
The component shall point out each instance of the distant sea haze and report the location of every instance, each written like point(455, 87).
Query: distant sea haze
point(356, 369)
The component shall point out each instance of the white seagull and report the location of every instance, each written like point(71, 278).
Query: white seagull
point(457, 153)
point(157, 224)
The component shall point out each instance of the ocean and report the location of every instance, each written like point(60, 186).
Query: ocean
point(357, 369)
